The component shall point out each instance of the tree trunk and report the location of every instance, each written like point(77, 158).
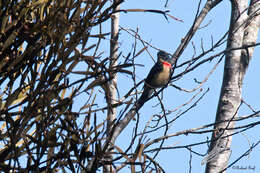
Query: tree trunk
point(111, 95)
point(241, 34)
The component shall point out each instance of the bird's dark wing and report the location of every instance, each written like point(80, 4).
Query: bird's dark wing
point(149, 81)
point(153, 72)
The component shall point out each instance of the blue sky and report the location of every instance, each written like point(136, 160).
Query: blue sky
point(167, 36)
point(164, 35)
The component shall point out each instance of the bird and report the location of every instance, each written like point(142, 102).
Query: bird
point(158, 76)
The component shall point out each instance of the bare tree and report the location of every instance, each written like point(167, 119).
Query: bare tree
point(61, 107)
point(244, 26)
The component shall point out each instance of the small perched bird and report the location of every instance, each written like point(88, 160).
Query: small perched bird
point(158, 76)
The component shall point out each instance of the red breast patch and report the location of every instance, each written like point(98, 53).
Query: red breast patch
point(167, 64)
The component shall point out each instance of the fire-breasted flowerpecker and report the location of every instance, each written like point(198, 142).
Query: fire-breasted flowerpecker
point(158, 76)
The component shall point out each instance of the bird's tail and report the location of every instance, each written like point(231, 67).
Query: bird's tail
point(145, 95)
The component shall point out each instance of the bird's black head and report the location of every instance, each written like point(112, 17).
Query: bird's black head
point(165, 57)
